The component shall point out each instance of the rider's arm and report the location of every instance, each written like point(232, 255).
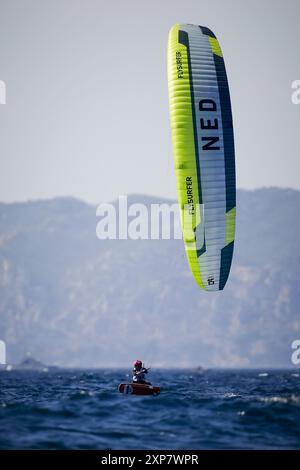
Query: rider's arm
point(139, 372)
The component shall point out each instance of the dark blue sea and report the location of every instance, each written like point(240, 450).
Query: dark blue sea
point(214, 409)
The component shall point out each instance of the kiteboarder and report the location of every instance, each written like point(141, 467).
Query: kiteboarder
point(139, 372)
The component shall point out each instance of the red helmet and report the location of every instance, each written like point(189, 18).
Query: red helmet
point(137, 363)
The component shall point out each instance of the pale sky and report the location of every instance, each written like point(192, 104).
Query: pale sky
point(86, 111)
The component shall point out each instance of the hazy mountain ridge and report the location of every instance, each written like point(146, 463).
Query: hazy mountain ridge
point(72, 299)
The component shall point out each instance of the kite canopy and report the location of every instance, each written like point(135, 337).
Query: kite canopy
point(202, 135)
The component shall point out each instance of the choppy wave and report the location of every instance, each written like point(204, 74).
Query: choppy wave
point(212, 410)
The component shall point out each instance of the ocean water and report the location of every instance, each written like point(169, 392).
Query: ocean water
point(214, 409)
